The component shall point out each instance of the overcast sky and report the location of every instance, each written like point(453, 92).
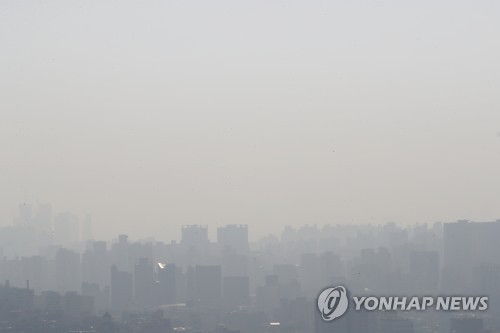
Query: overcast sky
point(156, 113)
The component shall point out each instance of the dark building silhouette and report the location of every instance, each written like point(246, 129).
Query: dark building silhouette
point(236, 290)
point(95, 264)
point(467, 245)
point(424, 271)
point(229, 286)
point(167, 279)
point(121, 290)
point(67, 271)
point(144, 283)
point(208, 282)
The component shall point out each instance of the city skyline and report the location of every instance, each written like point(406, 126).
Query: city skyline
point(43, 217)
point(233, 285)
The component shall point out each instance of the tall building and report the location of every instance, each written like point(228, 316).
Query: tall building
point(234, 264)
point(309, 273)
point(167, 276)
point(87, 228)
point(99, 295)
point(331, 268)
point(468, 245)
point(95, 264)
point(25, 214)
point(208, 281)
point(120, 253)
point(51, 302)
point(15, 300)
point(66, 229)
point(32, 268)
point(195, 243)
point(372, 271)
point(143, 283)
point(67, 271)
point(78, 306)
point(233, 237)
point(43, 218)
point(424, 271)
point(121, 290)
point(194, 235)
point(235, 290)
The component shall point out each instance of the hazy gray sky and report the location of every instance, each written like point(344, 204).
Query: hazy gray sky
point(153, 114)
